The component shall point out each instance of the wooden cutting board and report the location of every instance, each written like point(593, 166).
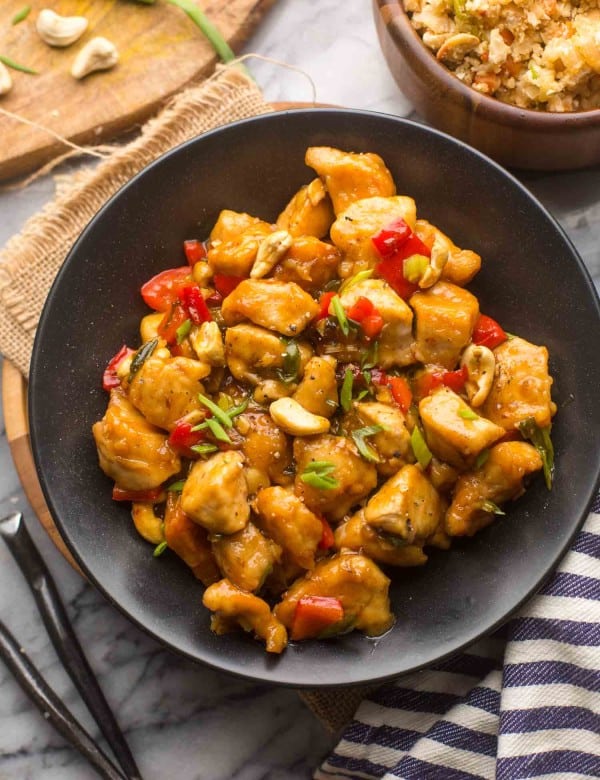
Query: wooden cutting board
point(160, 51)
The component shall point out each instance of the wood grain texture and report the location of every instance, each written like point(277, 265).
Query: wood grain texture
point(160, 49)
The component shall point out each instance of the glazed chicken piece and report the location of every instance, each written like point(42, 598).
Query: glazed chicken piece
point(452, 433)
point(285, 518)
point(355, 476)
point(189, 541)
point(446, 315)
point(166, 390)
point(406, 506)
point(251, 352)
point(392, 444)
point(130, 450)
point(350, 177)
point(498, 480)
point(207, 343)
point(280, 306)
point(317, 392)
point(310, 263)
point(356, 581)
point(149, 326)
point(396, 342)
point(356, 534)
point(521, 386)
point(230, 224)
point(353, 230)
point(247, 557)
point(462, 264)
point(215, 494)
point(266, 447)
point(309, 212)
point(146, 521)
point(235, 607)
point(234, 242)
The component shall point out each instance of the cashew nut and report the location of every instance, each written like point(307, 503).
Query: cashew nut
point(439, 258)
point(5, 79)
point(97, 54)
point(480, 364)
point(455, 48)
point(207, 343)
point(147, 524)
point(57, 30)
point(293, 418)
point(271, 250)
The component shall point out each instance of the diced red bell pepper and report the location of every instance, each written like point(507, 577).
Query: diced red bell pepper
point(194, 251)
point(173, 319)
point(390, 238)
point(193, 301)
point(430, 380)
point(401, 392)
point(327, 539)
point(314, 614)
point(392, 271)
point(488, 333)
point(455, 380)
point(109, 377)
point(154, 494)
point(182, 438)
point(427, 382)
point(361, 309)
point(324, 302)
point(373, 325)
point(162, 290)
point(226, 284)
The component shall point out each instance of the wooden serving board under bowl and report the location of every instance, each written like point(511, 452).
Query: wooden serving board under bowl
point(160, 51)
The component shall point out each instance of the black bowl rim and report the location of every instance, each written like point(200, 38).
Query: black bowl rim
point(36, 434)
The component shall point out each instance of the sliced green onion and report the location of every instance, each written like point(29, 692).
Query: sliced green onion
point(291, 363)
point(217, 430)
point(340, 314)
point(489, 506)
point(322, 466)
point(414, 267)
point(468, 414)
point(482, 458)
point(361, 276)
point(176, 487)
point(540, 438)
point(141, 356)
point(16, 66)
point(239, 409)
point(213, 35)
point(367, 376)
point(159, 549)
point(362, 394)
point(183, 330)
point(419, 447)
point(510, 336)
point(200, 427)
point(346, 391)
point(204, 449)
point(222, 417)
point(318, 474)
point(365, 449)
point(370, 356)
point(21, 15)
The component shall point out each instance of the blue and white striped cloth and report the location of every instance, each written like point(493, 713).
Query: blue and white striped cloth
point(522, 703)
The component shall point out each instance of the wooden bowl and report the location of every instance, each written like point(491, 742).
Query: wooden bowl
point(513, 136)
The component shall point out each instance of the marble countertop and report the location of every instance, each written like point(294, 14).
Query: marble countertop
point(183, 720)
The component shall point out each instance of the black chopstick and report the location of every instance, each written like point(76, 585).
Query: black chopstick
point(52, 707)
point(60, 630)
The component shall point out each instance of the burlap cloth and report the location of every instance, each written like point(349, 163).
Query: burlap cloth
point(30, 260)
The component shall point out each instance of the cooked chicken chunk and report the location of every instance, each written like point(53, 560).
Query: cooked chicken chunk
point(130, 450)
point(452, 433)
point(446, 315)
point(166, 390)
point(207, 343)
point(407, 506)
point(284, 517)
point(234, 243)
point(355, 227)
point(281, 306)
point(356, 581)
point(235, 606)
point(521, 386)
point(230, 225)
point(317, 392)
point(266, 447)
point(215, 493)
point(392, 444)
point(149, 326)
point(350, 177)
point(396, 343)
point(146, 521)
point(247, 557)
point(356, 534)
point(462, 264)
point(310, 263)
point(309, 212)
point(189, 541)
point(498, 480)
point(251, 352)
point(355, 476)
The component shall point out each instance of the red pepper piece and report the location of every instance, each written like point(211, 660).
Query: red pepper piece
point(373, 325)
point(361, 309)
point(194, 251)
point(427, 382)
point(109, 377)
point(324, 302)
point(153, 494)
point(173, 319)
point(393, 272)
point(455, 380)
point(226, 284)
point(314, 614)
point(162, 290)
point(390, 238)
point(182, 438)
point(401, 392)
point(379, 376)
point(488, 333)
point(412, 246)
point(327, 539)
point(193, 301)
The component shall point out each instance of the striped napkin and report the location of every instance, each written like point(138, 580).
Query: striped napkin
point(522, 703)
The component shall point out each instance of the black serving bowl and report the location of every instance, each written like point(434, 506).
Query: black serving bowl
point(532, 281)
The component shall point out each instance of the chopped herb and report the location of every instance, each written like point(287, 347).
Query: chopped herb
point(346, 392)
point(183, 330)
point(414, 267)
point(141, 356)
point(21, 15)
point(467, 414)
point(221, 416)
point(361, 276)
point(489, 506)
point(176, 487)
point(318, 474)
point(291, 363)
point(204, 449)
point(540, 438)
point(15, 65)
point(419, 447)
point(370, 356)
point(340, 314)
point(239, 409)
point(482, 458)
point(159, 549)
point(362, 394)
point(365, 449)
point(367, 376)
point(217, 430)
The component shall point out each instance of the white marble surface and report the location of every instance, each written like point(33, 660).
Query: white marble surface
point(182, 720)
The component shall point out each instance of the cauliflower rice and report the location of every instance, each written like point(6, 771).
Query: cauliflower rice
point(535, 54)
